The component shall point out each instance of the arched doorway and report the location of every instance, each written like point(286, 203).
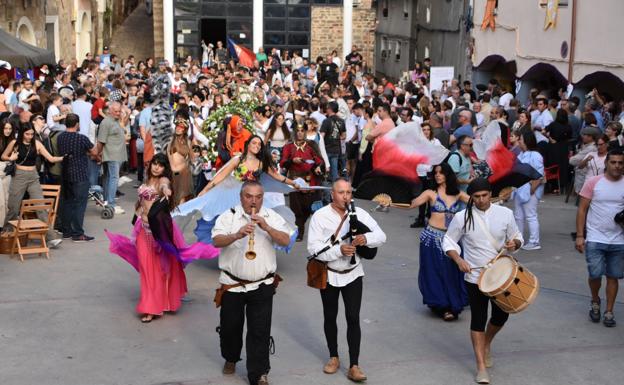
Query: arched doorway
point(25, 31)
point(83, 36)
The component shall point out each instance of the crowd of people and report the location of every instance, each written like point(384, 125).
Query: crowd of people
point(314, 123)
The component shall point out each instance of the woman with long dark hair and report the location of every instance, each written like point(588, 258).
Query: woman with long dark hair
point(180, 157)
point(157, 249)
point(278, 134)
point(423, 170)
point(222, 192)
point(25, 152)
point(439, 280)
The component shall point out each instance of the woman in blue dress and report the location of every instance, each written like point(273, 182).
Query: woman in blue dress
point(439, 280)
point(222, 193)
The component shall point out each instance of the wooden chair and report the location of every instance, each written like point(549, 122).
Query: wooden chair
point(32, 228)
point(52, 191)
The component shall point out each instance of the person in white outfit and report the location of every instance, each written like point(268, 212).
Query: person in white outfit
point(527, 197)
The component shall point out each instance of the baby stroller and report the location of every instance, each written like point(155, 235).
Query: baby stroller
point(97, 194)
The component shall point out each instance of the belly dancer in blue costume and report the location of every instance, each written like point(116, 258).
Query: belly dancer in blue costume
point(222, 193)
point(440, 281)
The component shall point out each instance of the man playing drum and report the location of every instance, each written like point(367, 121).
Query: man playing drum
point(484, 230)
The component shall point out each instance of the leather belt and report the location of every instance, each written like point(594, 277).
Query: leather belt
point(341, 271)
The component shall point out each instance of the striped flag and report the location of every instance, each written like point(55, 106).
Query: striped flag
point(244, 55)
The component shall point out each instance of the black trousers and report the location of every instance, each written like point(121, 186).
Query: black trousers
point(301, 205)
point(352, 297)
point(479, 309)
point(258, 306)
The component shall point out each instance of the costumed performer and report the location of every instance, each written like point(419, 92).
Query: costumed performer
point(221, 193)
point(248, 282)
point(157, 249)
point(236, 136)
point(302, 159)
point(342, 276)
point(439, 280)
point(181, 157)
point(483, 229)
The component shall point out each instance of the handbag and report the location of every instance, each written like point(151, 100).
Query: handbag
point(317, 274)
point(9, 169)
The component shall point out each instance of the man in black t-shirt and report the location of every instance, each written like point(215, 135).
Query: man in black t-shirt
point(329, 71)
point(75, 182)
point(354, 57)
point(333, 131)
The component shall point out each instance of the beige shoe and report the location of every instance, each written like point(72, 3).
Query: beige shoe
point(488, 360)
point(355, 374)
point(332, 365)
point(482, 377)
point(263, 380)
point(229, 367)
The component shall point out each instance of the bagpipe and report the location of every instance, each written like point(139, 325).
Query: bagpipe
point(355, 228)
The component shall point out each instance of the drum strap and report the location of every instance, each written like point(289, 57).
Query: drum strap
point(487, 232)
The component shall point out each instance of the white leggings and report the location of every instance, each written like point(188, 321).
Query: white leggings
point(528, 211)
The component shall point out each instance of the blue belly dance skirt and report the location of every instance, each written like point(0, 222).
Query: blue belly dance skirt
point(439, 279)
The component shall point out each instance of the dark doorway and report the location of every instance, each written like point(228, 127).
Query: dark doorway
point(213, 30)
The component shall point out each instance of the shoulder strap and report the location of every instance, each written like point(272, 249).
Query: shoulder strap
point(488, 235)
point(448, 157)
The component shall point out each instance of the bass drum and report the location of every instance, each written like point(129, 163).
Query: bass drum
point(512, 286)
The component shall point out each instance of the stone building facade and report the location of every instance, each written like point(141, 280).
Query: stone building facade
point(313, 28)
point(69, 28)
point(327, 28)
point(412, 30)
point(576, 45)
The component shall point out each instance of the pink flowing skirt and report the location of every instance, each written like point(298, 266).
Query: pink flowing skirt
point(161, 290)
point(163, 282)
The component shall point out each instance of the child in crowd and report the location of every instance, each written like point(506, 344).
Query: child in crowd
point(201, 168)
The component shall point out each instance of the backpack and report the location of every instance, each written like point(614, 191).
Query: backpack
point(134, 129)
point(451, 154)
point(51, 144)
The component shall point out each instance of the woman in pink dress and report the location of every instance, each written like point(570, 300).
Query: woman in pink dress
point(157, 249)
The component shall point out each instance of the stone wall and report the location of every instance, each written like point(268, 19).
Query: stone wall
point(66, 31)
point(11, 11)
point(327, 30)
point(66, 12)
point(159, 37)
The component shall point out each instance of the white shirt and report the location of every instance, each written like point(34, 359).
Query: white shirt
point(52, 112)
point(23, 95)
point(355, 124)
point(543, 119)
point(607, 199)
point(318, 115)
point(478, 250)
point(232, 258)
point(504, 100)
point(323, 225)
point(83, 110)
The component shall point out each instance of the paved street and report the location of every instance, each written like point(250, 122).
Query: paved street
point(71, 320)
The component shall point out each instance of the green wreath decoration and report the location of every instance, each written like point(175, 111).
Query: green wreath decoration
point(211, 127)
